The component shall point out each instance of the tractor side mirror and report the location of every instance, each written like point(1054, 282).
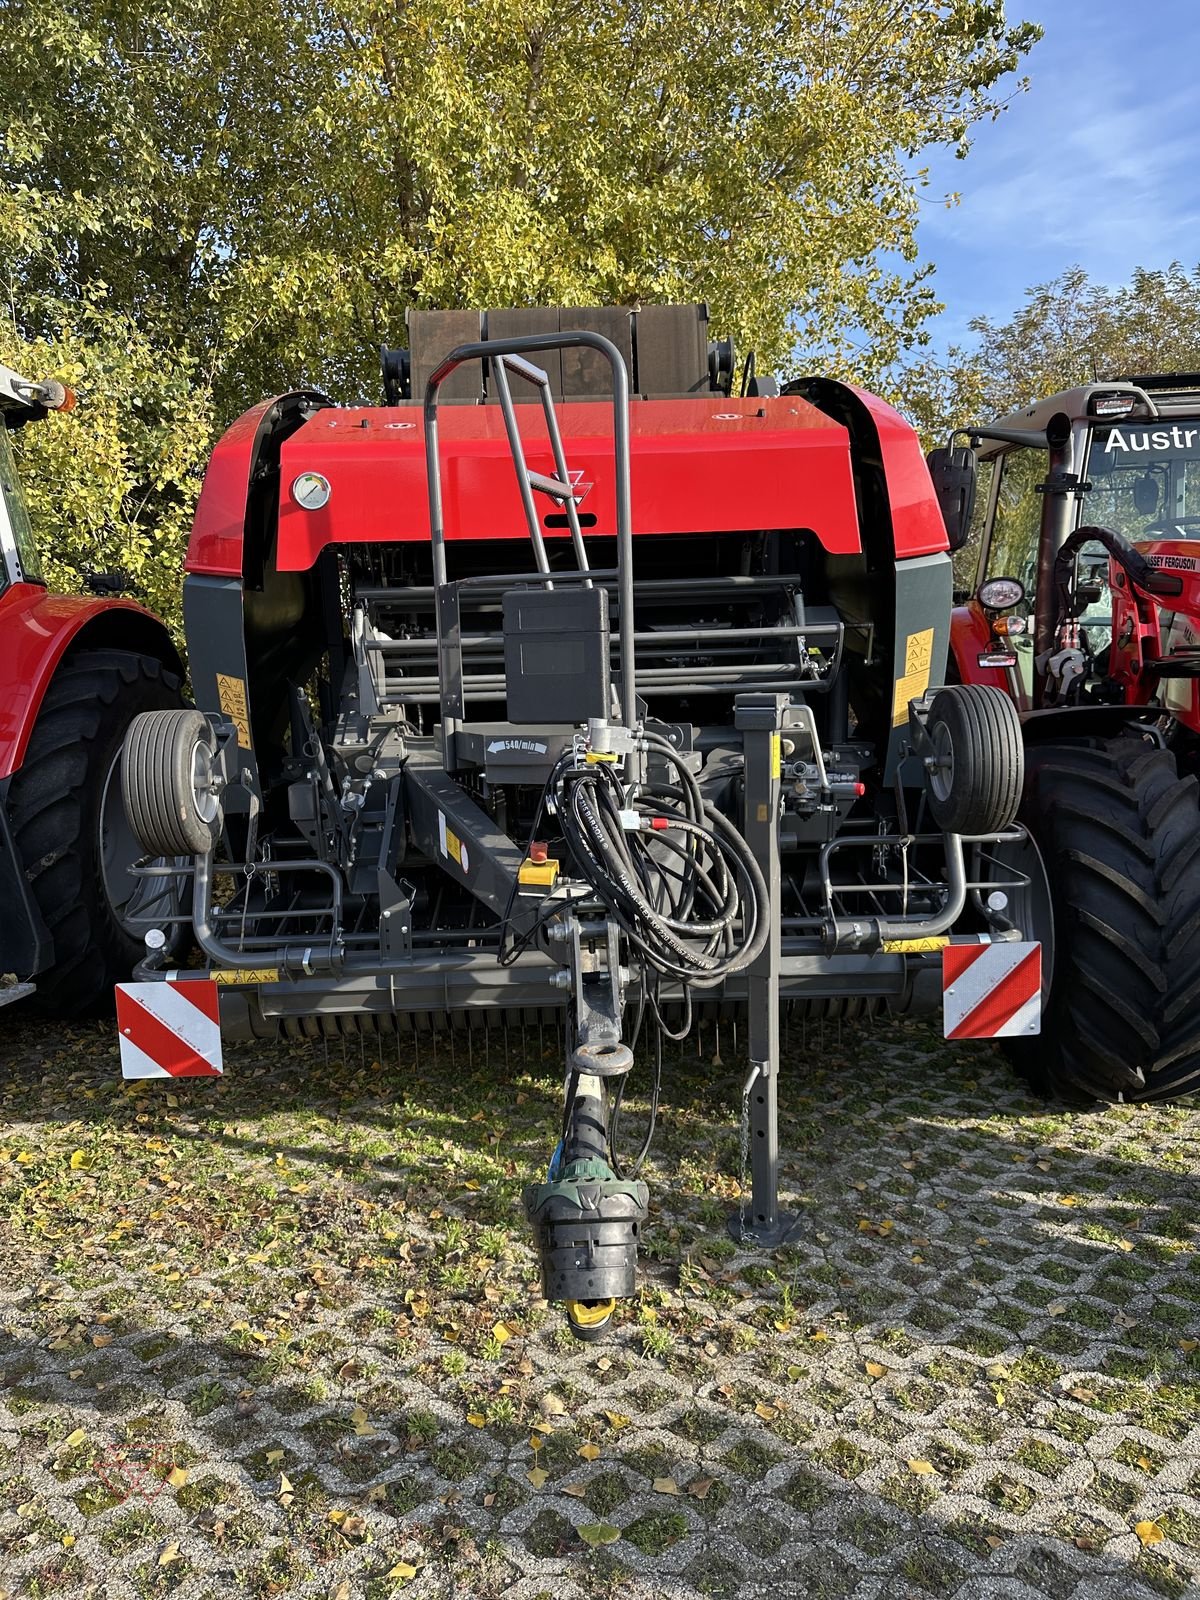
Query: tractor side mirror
point(953, 472)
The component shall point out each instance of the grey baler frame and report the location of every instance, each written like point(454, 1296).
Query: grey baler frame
point(325, 978)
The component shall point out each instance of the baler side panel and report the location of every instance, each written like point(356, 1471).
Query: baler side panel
point(924, 589)
point(36, 631)
point(216, 547)
point(917, 525)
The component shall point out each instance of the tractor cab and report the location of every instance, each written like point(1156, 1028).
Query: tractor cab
point(21, 401)
point(1057, 615)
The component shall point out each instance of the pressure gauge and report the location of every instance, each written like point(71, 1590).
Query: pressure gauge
point(311, 491)
point(997, 594)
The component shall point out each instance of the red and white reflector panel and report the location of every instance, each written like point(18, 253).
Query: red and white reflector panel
point(169, 1030)
point(992, 991)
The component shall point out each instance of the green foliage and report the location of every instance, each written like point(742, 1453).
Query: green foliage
point(1069, 331)
point(204, 206)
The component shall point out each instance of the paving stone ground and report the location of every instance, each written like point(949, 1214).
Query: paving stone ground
point(281, 1335)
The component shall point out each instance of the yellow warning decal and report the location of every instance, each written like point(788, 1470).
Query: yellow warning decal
point(231, 694)
point(776, 755)
point(244, 976)
point(918, 660)
point(454, 846)
point(914, 947)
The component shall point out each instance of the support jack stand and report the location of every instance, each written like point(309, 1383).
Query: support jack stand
point(762, 1222)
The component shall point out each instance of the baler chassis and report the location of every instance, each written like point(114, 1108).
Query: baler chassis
point(580, 858)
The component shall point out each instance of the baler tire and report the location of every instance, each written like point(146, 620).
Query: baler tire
point(976, 728)
point(1119, 832)
point(56, 807)
point(157, 779)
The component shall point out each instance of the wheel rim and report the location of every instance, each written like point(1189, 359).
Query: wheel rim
point(941, 772)
point(1030, 905)
point(130, 899)
point(204, 795)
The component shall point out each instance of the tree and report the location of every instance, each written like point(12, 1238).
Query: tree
point(262, 190)
point(1069, 331)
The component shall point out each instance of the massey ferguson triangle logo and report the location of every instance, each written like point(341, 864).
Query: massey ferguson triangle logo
point(582, 490)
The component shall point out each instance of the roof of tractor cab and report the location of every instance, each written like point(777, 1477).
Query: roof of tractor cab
point(698, 465)
point(1154, 396)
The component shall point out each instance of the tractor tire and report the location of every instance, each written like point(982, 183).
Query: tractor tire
point(976, 737)
point(1118, 832)
point(166, 779)
point(69, 828)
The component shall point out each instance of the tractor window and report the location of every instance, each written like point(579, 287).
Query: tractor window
point(1146, 480)
point(18, 555)
point(1013, 547)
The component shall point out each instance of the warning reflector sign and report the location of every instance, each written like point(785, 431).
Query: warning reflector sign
point(992, 991)
point(169, 1030)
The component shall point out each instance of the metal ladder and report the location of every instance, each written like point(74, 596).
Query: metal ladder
point(505, 356)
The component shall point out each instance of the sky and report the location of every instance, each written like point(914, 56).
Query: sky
point(1097, 164)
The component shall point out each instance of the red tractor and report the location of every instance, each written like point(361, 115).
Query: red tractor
point(73, 673)
point(1086, 613)
point(619, 708)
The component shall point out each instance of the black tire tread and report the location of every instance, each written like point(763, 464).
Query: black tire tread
point(989, 758)
point(1119, 832)
point(53, 804)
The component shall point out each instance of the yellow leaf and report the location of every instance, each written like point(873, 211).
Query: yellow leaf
point(80, 1161)
point(273, 1456)
point(1056, 1308)
point(537, 1476)
point(501, 1332)
point(74, 1439)
point(1125, 1244)
point(1145, 1463)
point(1149, 1532)
point(285, 1486)
point(597, 1533)
point(1068, 1199)
point(177, 1477)
point(1188, 1345)
point(68, 1539)
point(665, 1486)
point(476, 1419)
point(766, 1412)
point(876, 1369)
point(24, 1157)
point(616, 1421)
point(588, 1451)
point(921, 1468)
point(536, 1442)
point(401, 1570)
point(362, 1426)
point(819, 1336)
point(795, 1373)
point(784, 1327)
point(171, 1553)
point(337, 1516)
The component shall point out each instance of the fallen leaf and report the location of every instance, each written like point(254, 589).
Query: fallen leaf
point(588, 1451)
point(1068, 1199)
point(603, 1364)
point(401, 1570)
point(616, 1421)
point(551, 1406)
point(68, 1539)
point(921, 1468)
point(73, 1439)
point(476, 1419)
point(1056, 1308)
point(177, 1477)
point(818, 1336)
point(1188, 1345)
point(1145, 1463)
point(598, 1533)
point(665, 1486)
point(362, 1426)
point(876, 1369)
point(171, 1553)
point(342, 1592)
point(80, 1161)
point(1125, 1244)
point(699, 1487)
point(992, 1541)
point(1149, 1532)
point(795, 1373)
point(501, 1332)
point(273, 1456)
point(537, 1476)
point(766, 1412)
point(577, 1491)
point(536, 1442)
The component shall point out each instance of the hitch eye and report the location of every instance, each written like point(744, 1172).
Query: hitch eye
point(998, 594)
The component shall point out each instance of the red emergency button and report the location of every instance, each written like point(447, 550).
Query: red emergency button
point(538, 851)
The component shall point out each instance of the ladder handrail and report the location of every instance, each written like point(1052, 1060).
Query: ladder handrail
point(506, 354)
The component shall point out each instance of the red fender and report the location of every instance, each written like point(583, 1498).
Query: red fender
point(36, 631)
point(970, 637)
